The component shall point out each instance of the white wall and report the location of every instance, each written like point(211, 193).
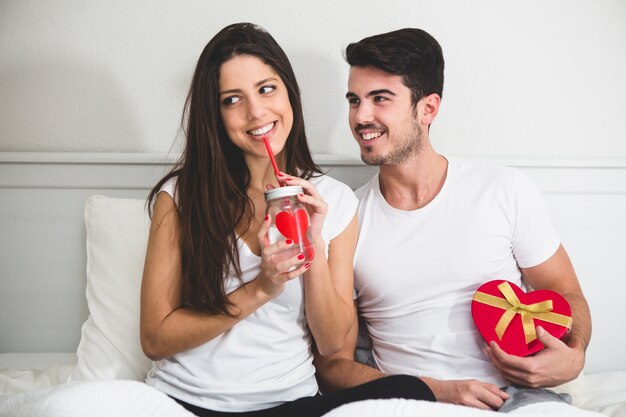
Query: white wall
point(535, 78)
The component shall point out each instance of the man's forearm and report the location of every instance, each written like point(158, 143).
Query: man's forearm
point(581, 329)
point(339, 373)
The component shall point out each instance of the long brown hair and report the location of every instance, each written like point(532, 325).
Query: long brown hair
point(212, 176)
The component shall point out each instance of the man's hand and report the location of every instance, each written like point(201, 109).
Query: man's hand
point(469, 392)
point(555, 364)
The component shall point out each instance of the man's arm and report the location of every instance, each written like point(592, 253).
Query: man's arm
point(558, 362)
point(338, 371)
point(341, 371)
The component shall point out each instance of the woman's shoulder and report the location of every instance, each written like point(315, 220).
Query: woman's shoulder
point(327, 184)
point(341, 202)
point(169, 187)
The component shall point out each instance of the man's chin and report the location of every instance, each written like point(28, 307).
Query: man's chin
point(373, 160)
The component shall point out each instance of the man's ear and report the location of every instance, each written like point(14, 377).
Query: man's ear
point(428, 107)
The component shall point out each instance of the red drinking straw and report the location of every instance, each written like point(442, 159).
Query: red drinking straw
point(268, 148)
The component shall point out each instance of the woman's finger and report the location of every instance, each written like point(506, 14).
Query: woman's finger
point(298, 271)
point(307, 186)
point(310, 196)
point(277, 247)
point(262, 236)
point(317, 204)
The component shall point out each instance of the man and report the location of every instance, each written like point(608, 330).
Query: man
point(433, 229)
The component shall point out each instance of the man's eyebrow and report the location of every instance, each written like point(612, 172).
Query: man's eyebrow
point(350, 94)
point(381, 91)
point(258, 84)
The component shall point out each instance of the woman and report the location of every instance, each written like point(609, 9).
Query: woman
point(224, 320)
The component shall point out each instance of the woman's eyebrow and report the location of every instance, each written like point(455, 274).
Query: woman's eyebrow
point(258, 84)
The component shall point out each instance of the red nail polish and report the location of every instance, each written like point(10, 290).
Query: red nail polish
point(289, 241)
point(307, 266)
point(267, 218)
point(300, 195)
point(301, 257)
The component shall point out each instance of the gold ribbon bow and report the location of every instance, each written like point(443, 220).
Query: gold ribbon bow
point(513, 306)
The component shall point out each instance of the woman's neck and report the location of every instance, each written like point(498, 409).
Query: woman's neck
point(261, 174)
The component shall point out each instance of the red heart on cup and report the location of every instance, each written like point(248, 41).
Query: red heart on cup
point(293, 226)
point(500, 309)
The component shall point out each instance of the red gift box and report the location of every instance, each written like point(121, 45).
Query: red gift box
point(506, 314)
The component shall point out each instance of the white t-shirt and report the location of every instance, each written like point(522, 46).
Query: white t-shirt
point(416, 271)
point(264, 360)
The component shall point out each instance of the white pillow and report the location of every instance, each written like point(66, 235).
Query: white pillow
point(117, 235)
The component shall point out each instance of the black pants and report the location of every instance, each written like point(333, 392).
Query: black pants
point(396, 386)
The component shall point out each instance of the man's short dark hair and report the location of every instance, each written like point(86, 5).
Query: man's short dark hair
point(411, 53)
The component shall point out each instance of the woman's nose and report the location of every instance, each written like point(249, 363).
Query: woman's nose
point(255, 109)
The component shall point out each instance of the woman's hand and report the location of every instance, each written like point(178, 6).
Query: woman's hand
point(277, 263)
point(316, 206)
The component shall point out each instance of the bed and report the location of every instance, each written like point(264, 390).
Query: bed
point(69, 346)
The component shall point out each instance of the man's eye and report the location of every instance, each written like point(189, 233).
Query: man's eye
point(380, 98)
point(353, 101)
point(231, 100)
point(267, 89)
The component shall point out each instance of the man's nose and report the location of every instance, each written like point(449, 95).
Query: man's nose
point(364, 114)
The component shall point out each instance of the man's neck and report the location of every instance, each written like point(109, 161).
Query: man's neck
point(415, 183)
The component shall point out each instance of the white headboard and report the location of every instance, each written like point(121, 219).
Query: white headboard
point(42, 243)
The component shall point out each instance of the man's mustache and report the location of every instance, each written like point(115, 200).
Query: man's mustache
point(369, 126)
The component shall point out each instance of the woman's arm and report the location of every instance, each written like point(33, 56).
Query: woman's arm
point(167, 328)
point(329, 282)
point(328, 289)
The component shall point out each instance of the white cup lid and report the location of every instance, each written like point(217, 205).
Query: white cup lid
point(282, 192)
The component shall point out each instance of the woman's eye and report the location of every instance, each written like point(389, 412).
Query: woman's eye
point(231, 100)
point(267, 89)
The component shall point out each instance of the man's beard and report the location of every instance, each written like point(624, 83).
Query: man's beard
point(408, 147)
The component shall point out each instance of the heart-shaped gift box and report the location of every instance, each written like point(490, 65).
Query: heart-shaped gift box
point(505, 313)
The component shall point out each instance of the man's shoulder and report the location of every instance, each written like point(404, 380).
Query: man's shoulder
point(366, 188)
point(481, 171)
point(327, 184)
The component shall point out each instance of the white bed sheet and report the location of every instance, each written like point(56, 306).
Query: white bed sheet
point(21, 372)
point(121, 398)
point(116, 398)
point(413, 408)
point(31, 381)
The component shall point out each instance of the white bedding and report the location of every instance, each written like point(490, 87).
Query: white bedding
point(30, 391)
point(123, 398)
point(20, 372)
point(116, 398)
point(413, 408)
point(46, 392)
